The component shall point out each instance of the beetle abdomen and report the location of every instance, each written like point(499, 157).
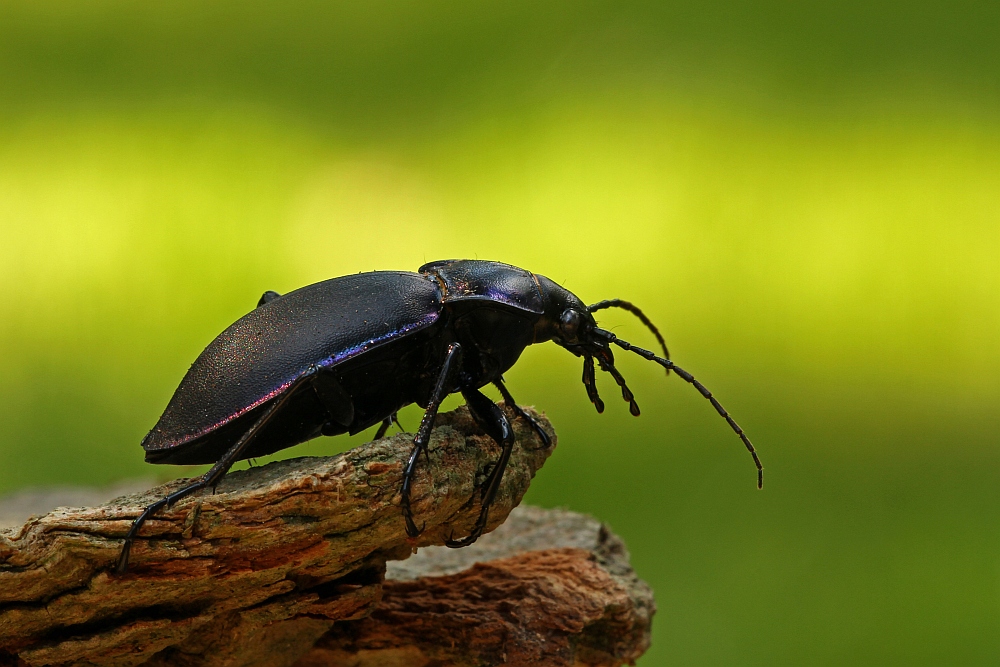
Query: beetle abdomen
point(262, 353)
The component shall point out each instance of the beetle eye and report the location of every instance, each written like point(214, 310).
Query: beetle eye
point(569, 325)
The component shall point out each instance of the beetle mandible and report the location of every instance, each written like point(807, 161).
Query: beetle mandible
point(345, 354)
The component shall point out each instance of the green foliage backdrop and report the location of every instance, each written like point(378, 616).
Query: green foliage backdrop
point(804, 197)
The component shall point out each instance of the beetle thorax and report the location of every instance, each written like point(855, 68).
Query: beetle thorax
point(493, 338)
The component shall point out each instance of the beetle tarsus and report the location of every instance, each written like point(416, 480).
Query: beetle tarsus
point(123, 557)
point(607, 362)
point(509, 401)
point(476, 533)
point(492, 420)
point(411, 528)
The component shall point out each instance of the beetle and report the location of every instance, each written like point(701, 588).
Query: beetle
point(345, 354)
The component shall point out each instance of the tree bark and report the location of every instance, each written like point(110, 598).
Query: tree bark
point(549, 587)
point(259, 572)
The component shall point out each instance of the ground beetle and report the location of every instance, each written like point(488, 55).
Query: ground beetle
point(345, 354)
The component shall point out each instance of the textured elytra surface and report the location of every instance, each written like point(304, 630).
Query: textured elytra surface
point(270, 560)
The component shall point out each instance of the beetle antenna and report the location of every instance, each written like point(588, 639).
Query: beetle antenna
point(632, 308)
point(590, 382)
point(687, 377)
point(608, 365)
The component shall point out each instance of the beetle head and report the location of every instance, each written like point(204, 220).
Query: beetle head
point(569, 323)
point(565, 320)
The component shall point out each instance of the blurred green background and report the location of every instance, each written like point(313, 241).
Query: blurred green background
point(805, 197)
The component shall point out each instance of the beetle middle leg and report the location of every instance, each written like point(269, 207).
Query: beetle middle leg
point(213, 476)
point(512, 404)
point(451, 362)
point(380, 433)
point(492, 420)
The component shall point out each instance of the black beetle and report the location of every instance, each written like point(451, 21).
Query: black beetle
point(345, 354)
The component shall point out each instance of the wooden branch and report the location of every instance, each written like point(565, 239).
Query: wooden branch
point(258, 573)
point(303, 540)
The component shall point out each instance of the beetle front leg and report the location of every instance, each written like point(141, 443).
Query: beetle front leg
point(423, 436)
point(512, 404)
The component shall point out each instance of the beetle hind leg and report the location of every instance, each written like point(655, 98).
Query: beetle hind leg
point(213, 476)
point(152, 509)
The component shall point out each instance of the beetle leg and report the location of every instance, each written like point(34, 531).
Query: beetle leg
point(509, 401)
point(386, 423)
point(492, 420)
point(213, 476)
point(380, 433)
point(423, 435)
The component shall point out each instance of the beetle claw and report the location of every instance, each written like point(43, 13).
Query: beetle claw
point(465, 541)
point(122, 566)
point(532, 422)
point(411, 528)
